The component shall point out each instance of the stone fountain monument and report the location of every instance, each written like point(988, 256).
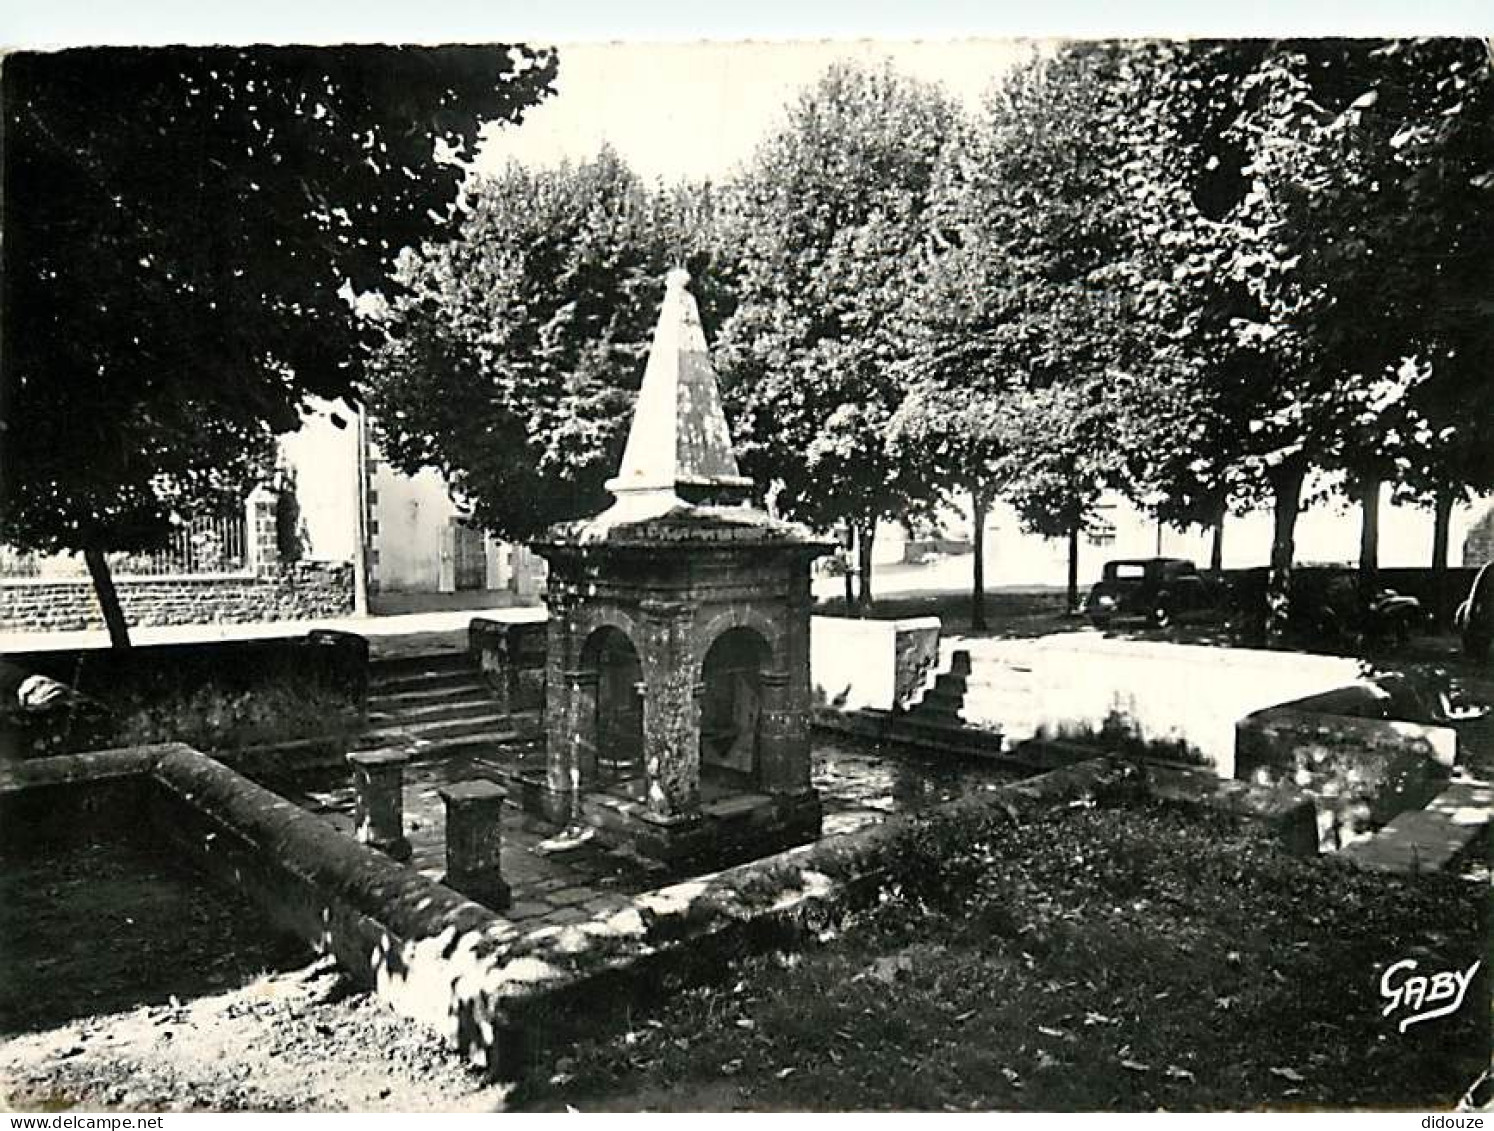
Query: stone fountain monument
point(677, 697)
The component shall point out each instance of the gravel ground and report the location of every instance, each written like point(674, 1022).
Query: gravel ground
point(296, 1041)
point(127, 983)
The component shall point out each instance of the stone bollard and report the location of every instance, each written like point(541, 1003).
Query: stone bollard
point(379, 783)
point(474, 839)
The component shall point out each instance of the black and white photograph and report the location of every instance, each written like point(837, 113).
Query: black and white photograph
point(719, 566)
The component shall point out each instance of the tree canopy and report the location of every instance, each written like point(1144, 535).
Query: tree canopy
point(183, 230)
point(512, 353)
point(1026, 297)
point(826, 226)
point(1292, 219)
point(181, 227)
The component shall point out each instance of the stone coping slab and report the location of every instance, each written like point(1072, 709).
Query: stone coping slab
point(474, 789)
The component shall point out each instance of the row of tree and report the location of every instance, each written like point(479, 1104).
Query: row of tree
point(1193, 272)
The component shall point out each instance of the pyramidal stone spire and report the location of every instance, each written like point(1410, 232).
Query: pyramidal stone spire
point(679, 448)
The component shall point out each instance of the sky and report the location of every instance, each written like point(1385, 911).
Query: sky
point(646, 77)
point(698, 110)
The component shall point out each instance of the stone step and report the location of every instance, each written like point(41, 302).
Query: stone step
point(937, 734)
point(944, 695)
point(951, 683)
point(455, 707)
point(427, 749)
point(428, 696)
point(423, 679)
point(438, 729)
point(947, 713)
point(395, 666)
point(1430, 839)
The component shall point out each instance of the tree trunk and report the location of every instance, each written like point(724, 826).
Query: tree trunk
point(865, 537)
point(1442, 528)
point(1216, 551)
point(978, 508)
point(1286, 487)
point(1442, 509)
point(848, 559)
point(103, 585)
point(1369, 534)
point(1073, 591)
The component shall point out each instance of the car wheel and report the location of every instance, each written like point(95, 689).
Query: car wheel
point(1402, 631)
point(1100, 623)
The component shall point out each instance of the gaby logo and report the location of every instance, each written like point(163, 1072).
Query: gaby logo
point(1423, 997)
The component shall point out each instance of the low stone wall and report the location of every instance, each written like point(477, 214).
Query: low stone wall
point(334, 661)
point(438, 958)
point(1290, 815)
point(1077, 686)
point(511, 657)
point(78, 798)
point(289, 591)
point(882, 664)
point(1439, 594)
point(1362, 772)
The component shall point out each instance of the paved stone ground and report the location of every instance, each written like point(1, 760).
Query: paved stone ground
point(858, 785)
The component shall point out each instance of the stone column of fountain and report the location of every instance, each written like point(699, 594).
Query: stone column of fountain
point(379, 808)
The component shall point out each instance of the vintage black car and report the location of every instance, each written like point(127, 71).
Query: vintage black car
point(1475, 616)
point(1157, 592)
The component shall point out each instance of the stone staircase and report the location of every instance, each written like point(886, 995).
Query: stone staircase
point(976, 707)
point(1433, 839)
point(433, 706)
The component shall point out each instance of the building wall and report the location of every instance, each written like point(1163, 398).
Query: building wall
point(293, 591)
point(1325, 533)
point(413, 539)
point(407, 531)
point(322, 462)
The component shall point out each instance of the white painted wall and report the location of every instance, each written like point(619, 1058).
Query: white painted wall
point(412, 513)
point(324, 458)
point(1325, 533)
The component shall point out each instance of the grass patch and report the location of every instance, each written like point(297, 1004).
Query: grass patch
point(1118, 955)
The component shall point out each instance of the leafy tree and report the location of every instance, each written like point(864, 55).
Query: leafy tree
point(827, 224)
point(959, 434)
point(512, 352)
point(1026, 308)
point(183, 228)
point(1245, 306)
point(1419, 263)
point(1287, 222)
